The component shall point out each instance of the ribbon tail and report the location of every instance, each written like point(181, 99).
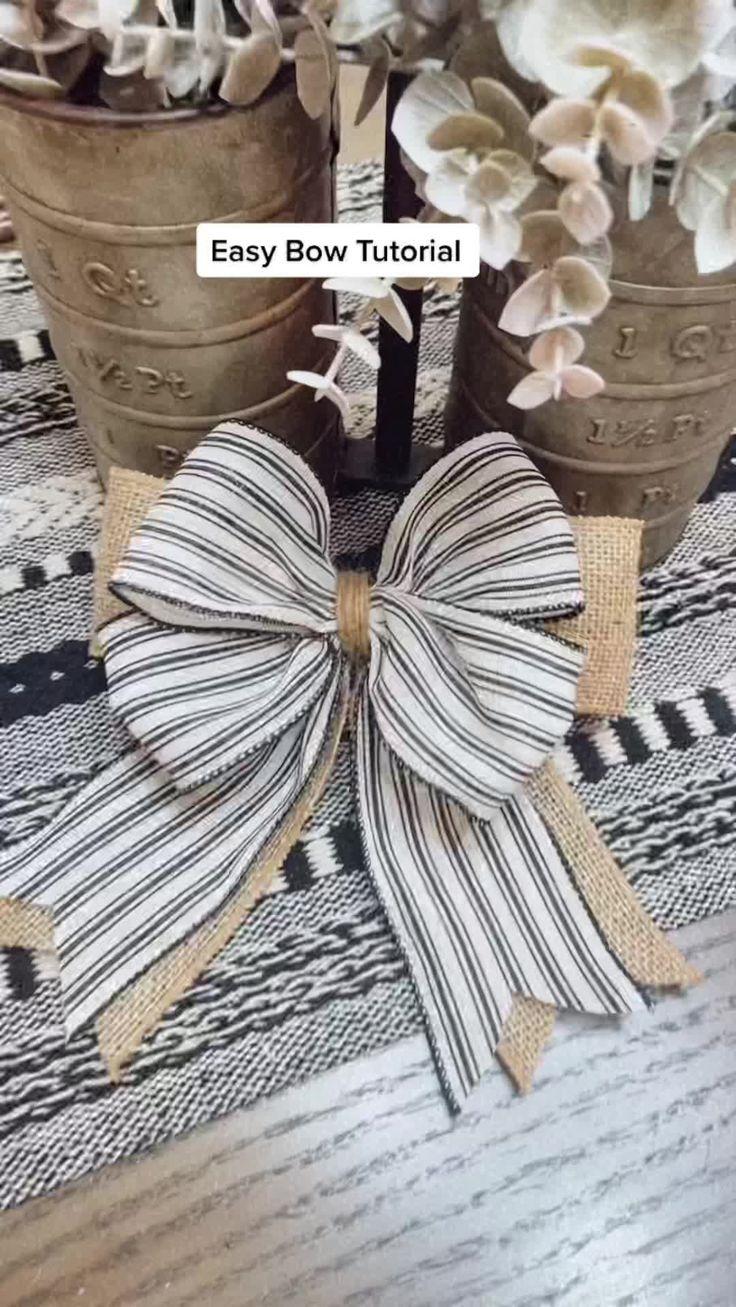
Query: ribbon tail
point(650, 958)
point(132, 866)
point(124, 1023)
point(483, 911)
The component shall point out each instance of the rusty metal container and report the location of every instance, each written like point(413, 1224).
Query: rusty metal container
point(648, 445)
point(105, 207)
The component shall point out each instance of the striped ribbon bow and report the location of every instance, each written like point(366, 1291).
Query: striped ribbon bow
point(242, 656)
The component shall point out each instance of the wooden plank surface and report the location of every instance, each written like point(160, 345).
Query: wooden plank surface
point(612, 1185)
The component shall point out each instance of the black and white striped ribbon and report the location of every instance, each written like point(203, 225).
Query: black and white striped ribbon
point(483, 910)
point(227, 673)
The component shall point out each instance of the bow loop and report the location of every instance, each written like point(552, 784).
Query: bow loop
point(203, 701)
point(484, 531)
point(239, 537)
point(470, 703)
point(229, 572)
point(467, 697)
point(234, 556)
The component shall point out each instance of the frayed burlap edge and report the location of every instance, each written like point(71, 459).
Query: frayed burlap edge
point(525, 1033)
point(609, 550)
point(25, 925)
point(137, 1011)
point(130, 496)
point(647, 955)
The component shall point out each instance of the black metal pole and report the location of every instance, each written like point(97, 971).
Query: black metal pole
point(397, 377)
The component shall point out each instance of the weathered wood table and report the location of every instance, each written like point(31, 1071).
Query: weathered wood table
point(612, 1185)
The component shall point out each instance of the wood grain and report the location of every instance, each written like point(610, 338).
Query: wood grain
point(612, 1185)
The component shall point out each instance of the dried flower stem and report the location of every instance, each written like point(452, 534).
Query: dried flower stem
point(342, 351)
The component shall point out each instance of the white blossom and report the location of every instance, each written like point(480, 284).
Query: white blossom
point(556, 372)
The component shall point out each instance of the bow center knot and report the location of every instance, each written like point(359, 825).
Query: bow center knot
point(353, 614)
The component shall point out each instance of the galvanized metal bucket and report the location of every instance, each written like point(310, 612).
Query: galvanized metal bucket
point(106, 205)
point(648, 445)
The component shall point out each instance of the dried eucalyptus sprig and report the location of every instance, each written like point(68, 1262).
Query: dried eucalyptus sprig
point(404, 35)
point(381, 300)
point(704, 194)
point(137, 55)
point(625, 85)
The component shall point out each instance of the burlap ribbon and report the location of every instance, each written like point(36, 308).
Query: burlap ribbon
point(608, 553)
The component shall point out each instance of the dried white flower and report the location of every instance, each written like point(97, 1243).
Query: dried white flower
point(352, 340)
point(557, 373)
point(640, 190)
point(571, 163)
point(454, 138)
point(570, 290)
point(631, 120)
point(486, 191)
point(381, 299)
point(585, 210)
point(324, 388)
point(630, 80)
point(428, 100)
point(706, 200)
point(572, 46)
point(356, 21)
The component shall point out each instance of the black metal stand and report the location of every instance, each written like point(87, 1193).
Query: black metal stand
point(390, 460)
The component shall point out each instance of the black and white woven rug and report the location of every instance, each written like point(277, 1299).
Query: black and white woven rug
point(313, 978)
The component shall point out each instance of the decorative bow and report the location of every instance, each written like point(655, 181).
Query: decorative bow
point(243, 656)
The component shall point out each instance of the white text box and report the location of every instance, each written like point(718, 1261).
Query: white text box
point(365, 249)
